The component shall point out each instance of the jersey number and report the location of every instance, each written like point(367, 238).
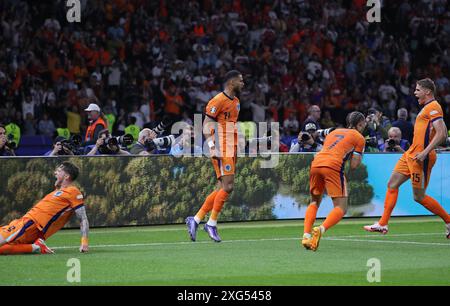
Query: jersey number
point(339, 138)
point(416, 177)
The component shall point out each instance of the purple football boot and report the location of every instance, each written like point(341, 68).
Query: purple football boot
point(212, 232)
point(192, 227)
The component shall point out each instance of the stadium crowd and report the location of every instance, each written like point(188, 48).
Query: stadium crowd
point(306, 64)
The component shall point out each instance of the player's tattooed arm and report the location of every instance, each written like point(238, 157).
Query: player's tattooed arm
point(84, 223)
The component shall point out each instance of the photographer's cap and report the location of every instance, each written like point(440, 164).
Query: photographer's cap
point(310, 126)
point(373, 110)
point(92, 107)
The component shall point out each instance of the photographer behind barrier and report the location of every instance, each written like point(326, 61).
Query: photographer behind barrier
point(309, 140)
point(163, 144)
point(142, 145)
point(109, 145)
point(376, 130)
point(63, 146)
point(395, 143)
point(6, 145)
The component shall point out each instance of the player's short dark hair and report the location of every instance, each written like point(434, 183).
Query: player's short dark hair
point(427, 84)
point(354, 118)
point(70, 169)
point(231, 75)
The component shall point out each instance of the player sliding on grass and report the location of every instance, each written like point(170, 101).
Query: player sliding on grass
point(327, 173)
point(27, 235)
point(417, 162)
point(223, 109)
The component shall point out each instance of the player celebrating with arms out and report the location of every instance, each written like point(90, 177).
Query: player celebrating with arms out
point(417, 162)
point(327, 173)
point(27, 235)
point(222, 111)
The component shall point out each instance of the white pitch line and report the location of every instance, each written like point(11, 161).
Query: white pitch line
point(390, 241)
point(261, 240)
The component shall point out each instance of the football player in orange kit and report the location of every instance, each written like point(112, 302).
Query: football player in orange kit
point(223, 111)
point(417, 162)
point(327, 173)
point(27, 235)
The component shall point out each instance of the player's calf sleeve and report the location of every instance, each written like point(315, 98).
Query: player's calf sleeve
point(436, 208)
point(13, 249)
point(333, 217)
point(310, 217)
point(207, 205)
point(389, 204)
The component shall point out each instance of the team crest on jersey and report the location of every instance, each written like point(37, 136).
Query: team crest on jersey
point(213, 110)
point(228, 168)
point(58, 193)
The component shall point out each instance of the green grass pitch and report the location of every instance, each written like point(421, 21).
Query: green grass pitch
point(414, 252)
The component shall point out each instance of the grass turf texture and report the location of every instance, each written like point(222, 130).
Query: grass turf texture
point(414, 252)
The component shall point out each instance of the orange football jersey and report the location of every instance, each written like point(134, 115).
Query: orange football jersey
point(225, 111)
point(338, 147)
point(423, 127)
point(55, 209)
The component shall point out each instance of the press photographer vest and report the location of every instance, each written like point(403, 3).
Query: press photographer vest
point(91, 129)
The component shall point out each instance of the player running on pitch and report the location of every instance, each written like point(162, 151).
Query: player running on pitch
point(417, 162)
point(327, 173)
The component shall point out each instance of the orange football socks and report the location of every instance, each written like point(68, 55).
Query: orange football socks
point(436, 208)
point(206, 207)
point(389, 204)
point(333, 217)
point(12, 249)
point(310, 217)
point(219, 200)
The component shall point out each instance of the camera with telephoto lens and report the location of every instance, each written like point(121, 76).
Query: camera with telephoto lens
point(112, 145)
point(162, 126)
point(160, 143)
point(324, 132)
point(391, 143)
point(305, 137)
point(72, 145)
point(10, 143)
point(371, 141)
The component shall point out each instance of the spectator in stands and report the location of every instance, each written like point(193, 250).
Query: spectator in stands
point(97, 123)
point(313, 117)
point(5, 150)
point(395, 143)
point(307, 140)
point(405, 126)
point(46, 126)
